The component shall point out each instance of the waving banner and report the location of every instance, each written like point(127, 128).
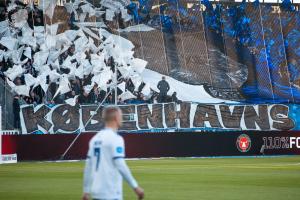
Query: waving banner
point(161, 117)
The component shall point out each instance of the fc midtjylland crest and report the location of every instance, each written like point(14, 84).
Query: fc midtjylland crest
point(243, 143)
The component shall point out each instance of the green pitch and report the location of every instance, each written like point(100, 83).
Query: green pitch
point(168, 179)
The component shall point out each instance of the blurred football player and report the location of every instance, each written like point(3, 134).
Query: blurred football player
point(105, 165)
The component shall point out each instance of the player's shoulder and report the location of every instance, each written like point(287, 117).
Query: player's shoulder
point(107, 135)
point(119, 137)
point(114, 138)
point(95, 138)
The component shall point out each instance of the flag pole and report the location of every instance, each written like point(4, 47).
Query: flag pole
point(116, 85)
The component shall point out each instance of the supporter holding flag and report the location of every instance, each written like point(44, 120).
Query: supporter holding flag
point(163, 87)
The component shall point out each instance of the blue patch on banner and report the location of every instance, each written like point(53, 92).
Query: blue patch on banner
point(119, 150)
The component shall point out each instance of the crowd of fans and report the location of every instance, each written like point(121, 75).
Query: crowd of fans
point(95, 95)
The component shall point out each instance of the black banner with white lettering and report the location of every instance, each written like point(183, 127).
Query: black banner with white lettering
point(161, 117)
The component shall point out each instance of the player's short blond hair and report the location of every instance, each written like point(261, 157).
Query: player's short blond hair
point(109, 113)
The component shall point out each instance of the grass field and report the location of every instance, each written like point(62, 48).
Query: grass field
point(167, 179)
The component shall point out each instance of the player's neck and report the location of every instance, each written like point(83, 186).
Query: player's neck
point(112, 126)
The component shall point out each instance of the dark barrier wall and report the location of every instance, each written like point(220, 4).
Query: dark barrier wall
point(249, 143)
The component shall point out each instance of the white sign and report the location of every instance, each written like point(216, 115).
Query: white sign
point(9, 158)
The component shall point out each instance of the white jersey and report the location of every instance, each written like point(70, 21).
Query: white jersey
point(103, 175)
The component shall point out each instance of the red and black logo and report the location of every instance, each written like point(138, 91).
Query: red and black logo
point(243, 143)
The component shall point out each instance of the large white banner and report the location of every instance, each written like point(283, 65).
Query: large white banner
point(71, 119)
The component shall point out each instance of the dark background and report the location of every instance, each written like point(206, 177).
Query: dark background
point(146, 145)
